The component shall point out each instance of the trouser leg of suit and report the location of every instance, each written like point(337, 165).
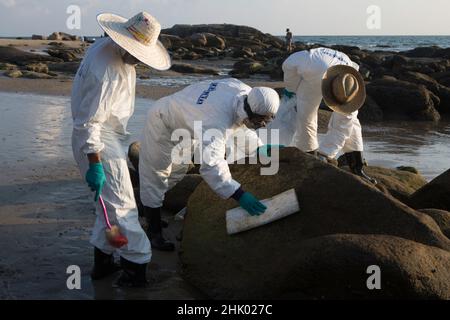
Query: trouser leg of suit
point(344, 134)
point(309, 96)
point(157, 172)
point(117, 193)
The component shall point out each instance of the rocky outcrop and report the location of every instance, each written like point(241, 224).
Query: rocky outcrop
point(401, 100)
point(187, 68)
point(344, 225)
point(435, 194)
point(37, 67)
point(38, 37)
point(61, 36)
point(22, 58)
point(441, 217)
point(14, 74)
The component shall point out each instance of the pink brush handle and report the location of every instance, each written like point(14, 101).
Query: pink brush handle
point(105, 213)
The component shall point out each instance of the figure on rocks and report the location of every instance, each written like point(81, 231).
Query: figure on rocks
point(102, 101)
point(329, 74)
point(224, 106)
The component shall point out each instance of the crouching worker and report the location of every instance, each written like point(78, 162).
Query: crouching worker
point(226, 106)
point(102, 102)
point(331, 75)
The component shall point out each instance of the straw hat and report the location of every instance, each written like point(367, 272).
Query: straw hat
point(343, 89)
point(138, 36)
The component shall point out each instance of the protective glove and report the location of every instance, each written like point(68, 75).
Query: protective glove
point(288, 94)
point(251, 204)
point(95, 178)
point(266, 150)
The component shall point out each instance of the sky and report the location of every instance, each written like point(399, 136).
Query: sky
point(303, 17)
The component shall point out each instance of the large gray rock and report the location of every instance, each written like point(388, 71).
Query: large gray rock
point(441, 217)
point(442, 92)
point(282, 258)
point(22, 58)
point(435, 194)
point(336, 267)
point(401, 100)
point(370, 111)
point(187, 68)
point(38, 37)
point(37, 67)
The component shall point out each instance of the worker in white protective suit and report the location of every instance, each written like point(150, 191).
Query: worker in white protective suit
point(225, 106)
point(103, 96)
point(325, 73)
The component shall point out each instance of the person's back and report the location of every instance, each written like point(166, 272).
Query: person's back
point(104, 80)
point(312, 64)
point(212, 102)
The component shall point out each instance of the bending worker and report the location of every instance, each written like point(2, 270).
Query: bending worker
point(226, 106)
point(329, 74)
point(102, 102)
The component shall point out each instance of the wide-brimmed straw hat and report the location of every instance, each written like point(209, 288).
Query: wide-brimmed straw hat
point(138, 36)
point(343, 89)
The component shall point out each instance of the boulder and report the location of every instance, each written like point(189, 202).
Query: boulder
point(36, 75)
point(337, 267)
point(61, 36)
point(38, 37)
point(243, 53)
point(423, 52)
point(14, 74)
point(187, 68)
point(174, 42)
point(198, 39)
point(399, 183)
point(37, 67)
point(66, 67)
point(65, 55)
point(274, 53)
point(282, 258)
point(442, 77)
point(401, 100)
point(441, 217)
point(7, 66)
point(22, 58)
point(370, 111)
point(214, 41)
point(246, 67)
point(55, 36)
point(434, 194)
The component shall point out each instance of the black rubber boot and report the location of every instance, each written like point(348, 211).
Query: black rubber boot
point(154, 231)
point(104, 265)
point(133, 274)
point(356, 164)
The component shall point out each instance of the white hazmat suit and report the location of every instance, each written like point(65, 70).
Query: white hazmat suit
point(102, 102)
point(219, 105)
point(303, 72)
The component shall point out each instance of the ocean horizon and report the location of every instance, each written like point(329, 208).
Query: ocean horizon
point(372, 43)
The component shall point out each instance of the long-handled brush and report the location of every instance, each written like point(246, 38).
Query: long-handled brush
point(115, 238)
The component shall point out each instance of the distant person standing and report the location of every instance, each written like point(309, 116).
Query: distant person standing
point(288, 41)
